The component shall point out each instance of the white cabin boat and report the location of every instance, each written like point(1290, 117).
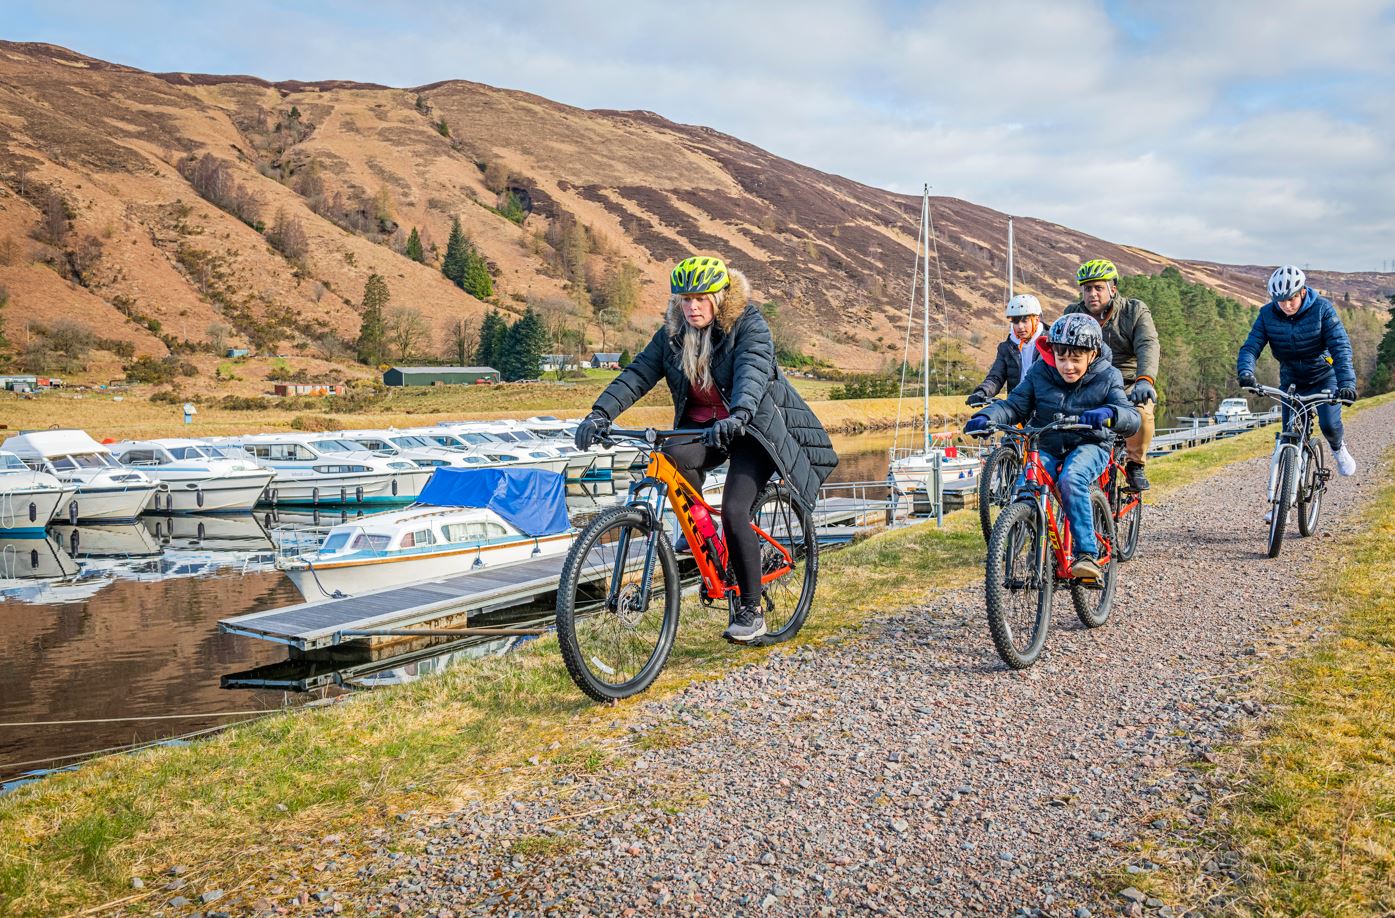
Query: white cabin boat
point(317, 469)
point(624, 457)
point(480, 443)
point(198, 477)
point(29, 499)
point(106, 490)
point(466, 520)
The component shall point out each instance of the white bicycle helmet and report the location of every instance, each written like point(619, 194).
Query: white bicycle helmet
point(1285, 282)
point(1024, 304)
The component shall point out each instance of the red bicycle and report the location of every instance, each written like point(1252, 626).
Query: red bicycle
point(1030, 553)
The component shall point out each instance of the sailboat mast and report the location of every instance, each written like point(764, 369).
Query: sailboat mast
point(925, 358)
point(1009, 266)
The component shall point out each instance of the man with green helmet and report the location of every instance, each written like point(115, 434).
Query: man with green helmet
point(1131, 335)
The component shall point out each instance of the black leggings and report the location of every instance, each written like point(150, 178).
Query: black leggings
point(751, 467)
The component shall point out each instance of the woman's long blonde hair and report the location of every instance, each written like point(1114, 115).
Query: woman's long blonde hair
point(697, 342)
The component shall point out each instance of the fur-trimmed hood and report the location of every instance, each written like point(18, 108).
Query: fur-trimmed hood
point(738, 297)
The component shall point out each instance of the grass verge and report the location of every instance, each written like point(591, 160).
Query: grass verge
point(239, 802)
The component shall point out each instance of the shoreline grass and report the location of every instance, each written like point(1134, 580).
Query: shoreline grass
point(244, 799)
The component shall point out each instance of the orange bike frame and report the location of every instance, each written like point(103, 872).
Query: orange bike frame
point(682, 497)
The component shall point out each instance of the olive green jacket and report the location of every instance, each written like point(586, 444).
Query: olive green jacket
point(1130, 334)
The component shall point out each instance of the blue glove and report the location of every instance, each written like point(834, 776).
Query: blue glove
point(590, 430)
point(721, 434)
point(977, 426)
point(1143, 391)
point(1098, 418)
point(1347, 394)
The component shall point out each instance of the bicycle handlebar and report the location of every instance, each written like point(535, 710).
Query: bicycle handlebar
point(649, 436)
point(1326, 396)
point(1063, 422)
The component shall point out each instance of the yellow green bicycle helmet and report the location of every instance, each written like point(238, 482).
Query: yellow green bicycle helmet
point(1098, 269)
point(699, 274)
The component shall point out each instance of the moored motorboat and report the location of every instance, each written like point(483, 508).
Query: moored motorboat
point(106, 490)
point(466, 520)
point(29, 498)
point(316, 470)
point(197, 477)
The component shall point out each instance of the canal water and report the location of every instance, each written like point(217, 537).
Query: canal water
point(113, 623)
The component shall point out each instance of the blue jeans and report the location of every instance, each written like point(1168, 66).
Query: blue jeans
point(1075, 475)
point(1329, 416)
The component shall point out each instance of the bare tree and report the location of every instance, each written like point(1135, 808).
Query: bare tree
point(406, 330)
point(53, 223)
point(463, 339)
point(288, 237)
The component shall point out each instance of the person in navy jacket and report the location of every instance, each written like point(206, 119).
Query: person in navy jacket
point(1306, 337)
point(1076, 379)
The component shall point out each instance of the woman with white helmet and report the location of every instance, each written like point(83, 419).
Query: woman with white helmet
point(1306, 337)
point(1015, 354)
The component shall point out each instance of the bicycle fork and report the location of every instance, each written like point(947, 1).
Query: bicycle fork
point(655, 510)
point(1274, 462)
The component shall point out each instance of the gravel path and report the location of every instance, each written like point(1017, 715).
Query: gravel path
point(907, 772)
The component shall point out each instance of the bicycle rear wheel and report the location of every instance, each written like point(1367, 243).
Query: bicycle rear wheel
point(614, 643)
point(1310, 488)
point(995, 486)
point(1094, 602)
point(1283, 494)
point(1020, 583)
point(787, 600)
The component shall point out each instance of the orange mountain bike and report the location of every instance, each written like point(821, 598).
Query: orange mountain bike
point(622, 584)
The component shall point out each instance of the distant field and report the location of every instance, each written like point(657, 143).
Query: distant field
point(131, 414)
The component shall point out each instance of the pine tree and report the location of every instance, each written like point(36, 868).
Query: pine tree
point(457, 251)
point(1383, 378)
point(625, 358)
point(372, 334)
point(414, 250)
point(493, 337)
point(523, 352)
point(476, 280)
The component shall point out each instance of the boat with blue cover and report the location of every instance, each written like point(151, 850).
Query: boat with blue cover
point(465, 520)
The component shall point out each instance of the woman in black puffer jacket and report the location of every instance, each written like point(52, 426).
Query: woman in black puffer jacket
point(717, 355)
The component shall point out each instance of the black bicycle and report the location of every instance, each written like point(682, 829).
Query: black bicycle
point(1298, 472)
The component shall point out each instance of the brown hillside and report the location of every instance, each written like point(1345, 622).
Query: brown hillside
point(145, 259)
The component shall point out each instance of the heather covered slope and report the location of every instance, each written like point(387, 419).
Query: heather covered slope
point(147, 259)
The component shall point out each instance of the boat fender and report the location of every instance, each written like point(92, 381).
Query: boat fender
point(33, 512)
point(73, 512)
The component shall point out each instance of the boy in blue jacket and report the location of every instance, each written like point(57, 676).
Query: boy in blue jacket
point(1077, 380)
point(1307, 338)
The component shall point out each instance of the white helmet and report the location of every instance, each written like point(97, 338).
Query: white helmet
point(1024, 304)
point(1285, 282)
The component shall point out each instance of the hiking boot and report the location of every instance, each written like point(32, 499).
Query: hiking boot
point(747, 625)
point(1086, 568)
point(1346, 464)
point(1133, 475)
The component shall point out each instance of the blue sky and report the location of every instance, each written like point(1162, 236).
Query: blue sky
point(1239, 131)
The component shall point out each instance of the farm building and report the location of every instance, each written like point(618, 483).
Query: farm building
point(439, 376)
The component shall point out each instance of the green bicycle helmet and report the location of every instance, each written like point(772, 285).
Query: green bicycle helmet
point(699, 274)
point(1098, 269)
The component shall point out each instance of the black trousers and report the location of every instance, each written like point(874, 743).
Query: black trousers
point(751, 467)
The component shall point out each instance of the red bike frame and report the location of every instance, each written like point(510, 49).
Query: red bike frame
point(1061, 543)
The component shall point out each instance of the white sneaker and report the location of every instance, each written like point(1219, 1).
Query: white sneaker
point(1269, 515)
point(1346, 465)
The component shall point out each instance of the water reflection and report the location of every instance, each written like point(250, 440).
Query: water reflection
point(121, 621)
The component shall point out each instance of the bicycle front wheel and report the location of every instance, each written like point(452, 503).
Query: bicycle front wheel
point(1020, 583)
point(615, 639)
point(787, 599)
point(1283, 495)
point(995, 486)
point(1310, 488)
point(1094, 601)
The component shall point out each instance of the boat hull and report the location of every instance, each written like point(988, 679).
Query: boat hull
point(321, 580)
point(215, 495)
point(335, 490)
point(25, 512)
point(103, 504)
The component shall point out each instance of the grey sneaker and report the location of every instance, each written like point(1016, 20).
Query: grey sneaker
point(747, 625)
point(1086, 568)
